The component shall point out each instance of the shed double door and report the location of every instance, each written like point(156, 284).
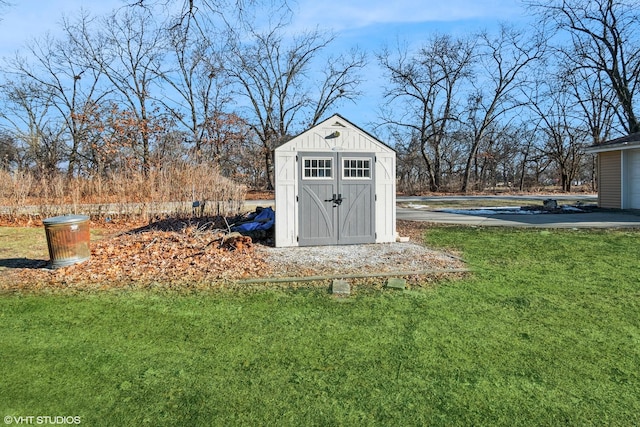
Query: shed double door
point(336, 198)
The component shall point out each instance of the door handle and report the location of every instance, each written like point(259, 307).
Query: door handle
point(336, 199)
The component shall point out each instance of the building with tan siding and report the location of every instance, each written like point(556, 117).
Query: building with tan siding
point(618, 172)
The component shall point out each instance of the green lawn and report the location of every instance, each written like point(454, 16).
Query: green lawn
point(545, 332)
point(27, 246)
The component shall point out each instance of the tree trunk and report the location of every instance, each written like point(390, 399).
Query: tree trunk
point(268, 168)
point(467, 168)
point(565, 182)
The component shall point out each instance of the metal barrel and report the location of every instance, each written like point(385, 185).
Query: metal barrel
point(67, 239)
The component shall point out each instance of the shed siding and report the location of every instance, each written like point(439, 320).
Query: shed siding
point(285, 198)
point(610, 180)
point(385, 198)
point(348, 140)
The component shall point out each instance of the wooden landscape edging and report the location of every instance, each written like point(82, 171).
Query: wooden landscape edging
point(352, 276)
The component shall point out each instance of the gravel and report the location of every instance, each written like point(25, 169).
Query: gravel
point(357, 259)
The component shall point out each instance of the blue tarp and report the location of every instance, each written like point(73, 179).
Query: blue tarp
point(264, 220)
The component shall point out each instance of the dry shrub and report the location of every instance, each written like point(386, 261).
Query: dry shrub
point(15, 189)
point(174, 190)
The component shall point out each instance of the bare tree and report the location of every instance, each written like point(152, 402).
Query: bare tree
point(339, 82)
point(423, 94)
point(198, 79)
point(27, 110)
point(530, 157)
point(594, 99)
point(198, 12)
point(272, 74)
point(3, 5)
point(127, 49)
point(9, 153)
point(559, 124)
point(605, 39)
point(506, 153)
point(71, 86)
point(597, 103)
point(503, 61)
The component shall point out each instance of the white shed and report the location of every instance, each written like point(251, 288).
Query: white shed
point(335, 184)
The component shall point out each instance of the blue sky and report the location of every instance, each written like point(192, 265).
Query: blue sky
point(372, 24)
point(367, 24)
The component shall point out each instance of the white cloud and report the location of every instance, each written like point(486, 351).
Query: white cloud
point(340, 14)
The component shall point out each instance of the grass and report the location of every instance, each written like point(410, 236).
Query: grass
point(546, 332)
point(22, 242)
point(27, 246)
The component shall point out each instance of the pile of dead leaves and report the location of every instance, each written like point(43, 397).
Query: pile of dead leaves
point(203, 254)
point(147, 256)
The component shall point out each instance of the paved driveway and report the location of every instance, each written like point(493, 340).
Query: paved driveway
point(596, 219)
point(593, 219)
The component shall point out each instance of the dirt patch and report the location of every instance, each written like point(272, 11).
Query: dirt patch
point(178, 254)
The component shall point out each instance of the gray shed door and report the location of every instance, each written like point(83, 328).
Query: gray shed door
point(336, 198)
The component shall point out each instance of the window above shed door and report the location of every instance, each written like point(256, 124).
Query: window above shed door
point(317, 167)
point(356, 168)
